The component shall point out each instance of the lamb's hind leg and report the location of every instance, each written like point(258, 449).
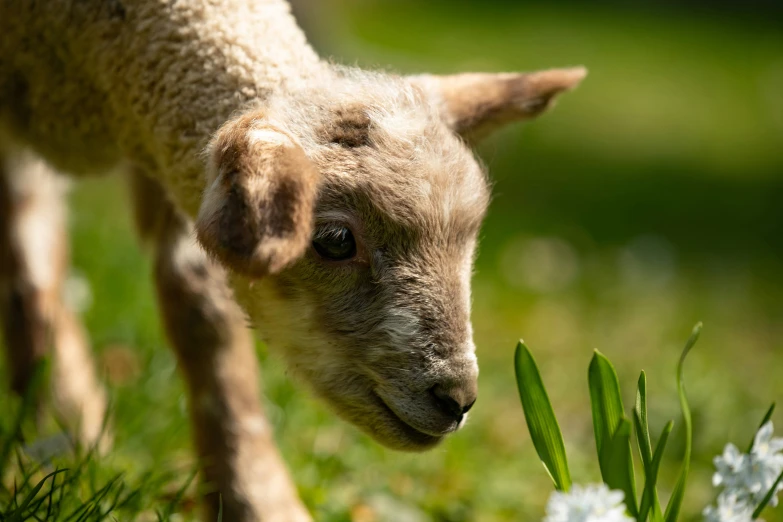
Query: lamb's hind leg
point(207, 330)
point(33, 265)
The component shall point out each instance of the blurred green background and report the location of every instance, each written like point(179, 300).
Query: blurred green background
point(649, 199)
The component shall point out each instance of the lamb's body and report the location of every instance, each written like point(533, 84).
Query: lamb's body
point(341, 209)
point(93, 84)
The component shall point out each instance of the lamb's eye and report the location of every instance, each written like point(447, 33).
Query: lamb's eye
point(335, 243)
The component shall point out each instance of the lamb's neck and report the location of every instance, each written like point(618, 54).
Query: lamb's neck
point(195, 65)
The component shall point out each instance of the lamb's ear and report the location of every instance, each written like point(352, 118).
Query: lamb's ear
point(256, 216)
point(474, 104)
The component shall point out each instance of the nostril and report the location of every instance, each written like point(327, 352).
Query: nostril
point(446, 402)
point(450, 401)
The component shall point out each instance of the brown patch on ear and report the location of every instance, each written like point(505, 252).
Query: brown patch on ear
point(349, 128)
point(256, 216)
point(475, 103)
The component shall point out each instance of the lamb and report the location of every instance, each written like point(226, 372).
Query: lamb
point(336, 210)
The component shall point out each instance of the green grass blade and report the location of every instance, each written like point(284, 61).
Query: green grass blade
point(18, 514)
point(540, 417)
point(649, 504)
point(767, 497)
point(640, 421)
point(616, 464)
point(605, 400)
point(643, 440)
point(52, 487)
point(93, 503)
point(766, 418)
point(675, 502)
point(607, 409)
point(649, 499)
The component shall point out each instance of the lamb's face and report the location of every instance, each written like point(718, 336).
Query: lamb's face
point(376, 314)
point(350, 225)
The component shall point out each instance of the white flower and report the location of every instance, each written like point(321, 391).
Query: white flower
point(730, 468)
point(748, 477)
point(766, 463)
point(591, 503)
point(730, 509)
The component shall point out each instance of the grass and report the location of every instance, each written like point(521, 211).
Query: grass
point(648, 200)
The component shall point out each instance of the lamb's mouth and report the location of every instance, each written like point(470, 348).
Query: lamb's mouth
point(410, 438)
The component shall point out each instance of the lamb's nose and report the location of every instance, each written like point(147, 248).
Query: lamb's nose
point(454, 401)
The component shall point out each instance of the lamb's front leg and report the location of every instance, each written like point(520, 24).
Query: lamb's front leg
point(35, 320)
point(215, 351)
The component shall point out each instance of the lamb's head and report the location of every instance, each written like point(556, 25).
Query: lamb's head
point(348, 215)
